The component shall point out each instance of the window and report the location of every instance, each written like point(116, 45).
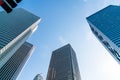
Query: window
point(115, 52)
point(92, 29)
point(100, 37)
point(106, 43)
point(96, 33)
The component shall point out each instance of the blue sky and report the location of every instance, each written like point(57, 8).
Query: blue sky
point(64, 21)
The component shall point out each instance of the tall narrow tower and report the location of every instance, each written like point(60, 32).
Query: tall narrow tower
point(63, 65)
point(105, 24)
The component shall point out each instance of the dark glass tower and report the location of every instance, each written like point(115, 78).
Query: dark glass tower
point(14, 65)
point(105, 24)
point(63, 65)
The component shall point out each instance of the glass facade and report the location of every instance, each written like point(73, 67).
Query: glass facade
point(105, 24)
point(15, 28)
point(13, 24)
point(63, 65)
point(13, 66)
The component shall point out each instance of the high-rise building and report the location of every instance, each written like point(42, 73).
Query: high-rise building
point(63, 65)
point(38, 77)
point(105, 24)
point(14, 65)
point(15, 28)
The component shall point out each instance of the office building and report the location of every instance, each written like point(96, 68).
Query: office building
point(15, 28)
point(38, 77)
point(105, 25)
point(63, 65)
point(14, 65)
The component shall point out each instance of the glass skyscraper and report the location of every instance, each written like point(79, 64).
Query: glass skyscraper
point(14, 65)
point(63, 65)
point(15, 28)
point(105, 24)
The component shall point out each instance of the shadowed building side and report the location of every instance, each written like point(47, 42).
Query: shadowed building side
point(63, 65)
point(14, 65)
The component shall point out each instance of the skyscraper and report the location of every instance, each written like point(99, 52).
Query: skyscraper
point(15, 28)
point(14, 65)
point(105, 24)
point(63, 65)
point(38, 77)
